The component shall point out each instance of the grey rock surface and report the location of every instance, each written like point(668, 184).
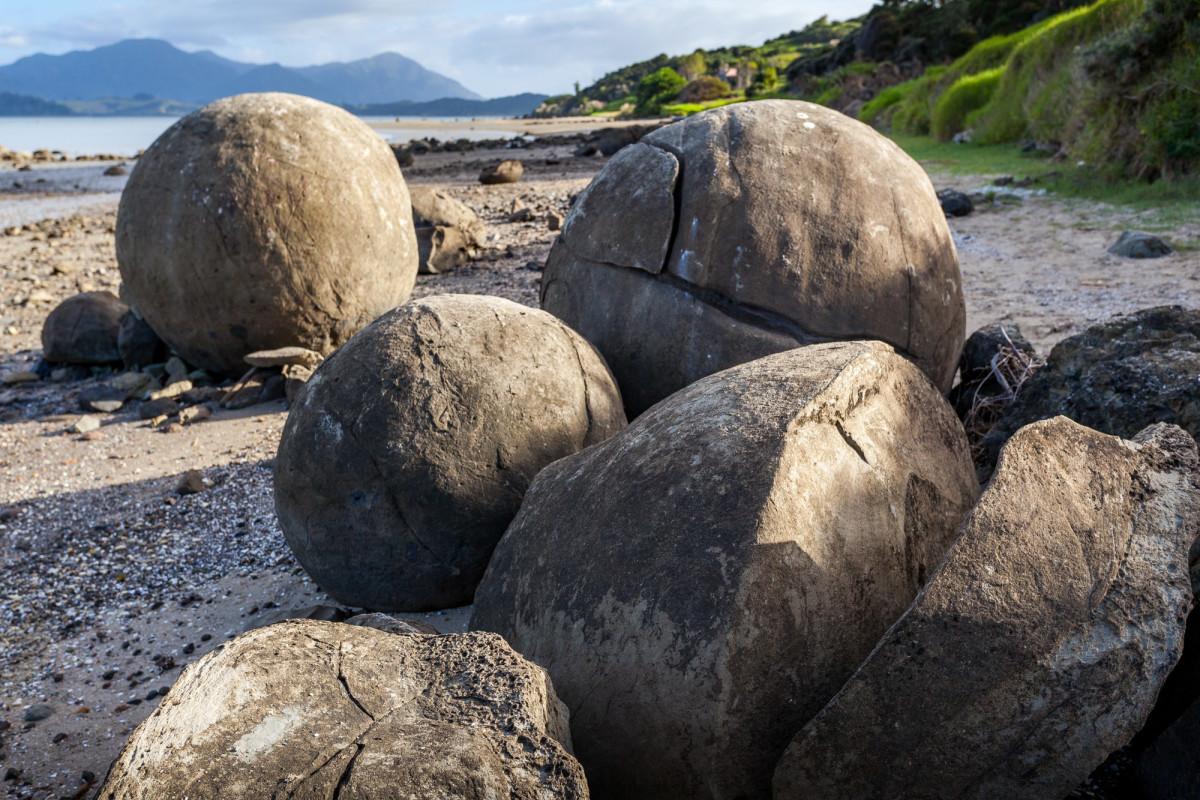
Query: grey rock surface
point(318, 709)
point(780, 223)
point(1039, 645)
point(702, 583)
point(84, 329)
point(408, 451)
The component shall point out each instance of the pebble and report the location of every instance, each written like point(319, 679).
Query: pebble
point(189, 416)
point(86, 424)
point(192, 482)
point(285, 356)
point(172, 390)
point(38, 712)
point(177, 370)
point(158, 407)
point(20, 376)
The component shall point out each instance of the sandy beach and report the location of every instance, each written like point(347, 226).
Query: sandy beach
point(113, 582)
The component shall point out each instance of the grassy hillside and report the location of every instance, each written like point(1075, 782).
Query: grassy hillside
point(1116, 83)
point(1110, 82)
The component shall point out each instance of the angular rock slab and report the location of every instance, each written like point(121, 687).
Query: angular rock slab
point(1039, 645)
point(321, 709)
point(407, 453)
point(702, 583)
point(789, 217)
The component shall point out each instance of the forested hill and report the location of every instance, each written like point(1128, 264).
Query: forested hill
point(1115, 82)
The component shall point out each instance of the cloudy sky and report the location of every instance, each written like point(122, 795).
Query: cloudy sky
point(494, 47)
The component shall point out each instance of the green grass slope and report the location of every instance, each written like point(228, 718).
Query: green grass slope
point(1115, 83)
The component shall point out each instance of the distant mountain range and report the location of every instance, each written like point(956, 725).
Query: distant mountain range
point(153, 73)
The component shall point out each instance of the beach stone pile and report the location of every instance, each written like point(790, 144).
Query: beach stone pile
point(322, 709)
point(780, 581)
point(1117, 377)
point(786, 512)
point(752, 229)
point(263, 221)
point(448, 231)
point(410, 449)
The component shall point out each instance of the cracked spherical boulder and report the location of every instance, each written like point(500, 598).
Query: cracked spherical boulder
point(264, 221)
point(321, 709)
point(751, 229)
point(1039, 646)
point(408, 451)
point(701, 584)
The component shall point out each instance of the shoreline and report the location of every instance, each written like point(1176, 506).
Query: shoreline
point(520, 125)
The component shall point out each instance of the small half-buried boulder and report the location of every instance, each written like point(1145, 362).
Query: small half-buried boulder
point(702, 583)
point(504, 172)
point(1039, 645)
point(322, 709)
point(84, 329)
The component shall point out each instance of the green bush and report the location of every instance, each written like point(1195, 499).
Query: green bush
point(765, 82)
point(964, 96)
point(885, 100)
point(656, 89)
point(703, 89)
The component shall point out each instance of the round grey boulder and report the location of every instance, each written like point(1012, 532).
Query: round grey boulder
point(264, 221)
point(409, 450)
point(308, 709)
point(751, 229)
point(84, 329)
point(701, 584)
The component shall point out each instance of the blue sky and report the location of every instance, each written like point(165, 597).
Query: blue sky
point(494, 48)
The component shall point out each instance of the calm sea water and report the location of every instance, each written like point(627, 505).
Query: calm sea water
point(127, 135)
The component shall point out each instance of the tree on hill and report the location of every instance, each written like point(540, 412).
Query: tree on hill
point(704, 89)
point(656, 89)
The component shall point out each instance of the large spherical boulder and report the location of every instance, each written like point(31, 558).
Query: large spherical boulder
point(309, 709)
point(263, 221)
point(702, 583)
point(748, 230)
point(409, 450)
